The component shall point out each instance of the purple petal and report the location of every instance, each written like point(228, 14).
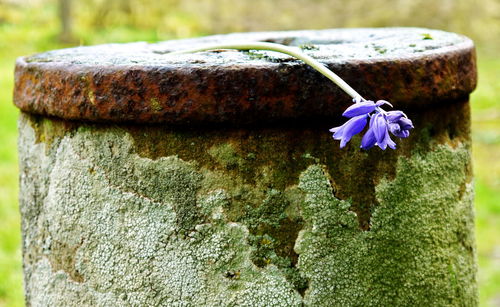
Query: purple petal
point(390, 142)
point(399, 124)
point(339, 133)
point(394, 116)
point(382, 102)
point(335, 129)
point(372, 119)
point(379, 127)
point(368, 140)
point(343, 142)
point(353, 126)
point(386, 141)
point(405, 123)
point(401, 133)
point(382, 144)
point(394, 128)
point(359, 108)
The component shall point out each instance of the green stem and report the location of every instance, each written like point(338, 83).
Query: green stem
point(283, 49)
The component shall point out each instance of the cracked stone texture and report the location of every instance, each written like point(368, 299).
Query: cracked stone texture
point(116, 215)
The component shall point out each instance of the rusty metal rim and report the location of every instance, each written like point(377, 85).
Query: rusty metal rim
point(246, 93)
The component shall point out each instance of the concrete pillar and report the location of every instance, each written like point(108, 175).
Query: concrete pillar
point(211, 179)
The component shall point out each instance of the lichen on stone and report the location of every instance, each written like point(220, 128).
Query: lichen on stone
point(418, 251)
point(223, 223)
point(143, 233)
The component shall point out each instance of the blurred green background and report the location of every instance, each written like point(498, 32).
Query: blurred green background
point(33, 26)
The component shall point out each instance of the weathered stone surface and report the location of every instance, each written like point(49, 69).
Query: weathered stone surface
point(411, 67)
point(150, 216)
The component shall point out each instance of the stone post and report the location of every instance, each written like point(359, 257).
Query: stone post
point(211, 179)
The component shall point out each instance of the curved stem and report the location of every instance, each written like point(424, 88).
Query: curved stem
point(283, 49)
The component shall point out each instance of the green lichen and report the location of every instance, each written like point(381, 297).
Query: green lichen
point(426, 36)
point(50, 131)
point(420, 247)
point(226, 155)
point(138, 232)
point(308, 47)
point(155, 105)
point(159, 217)
point(256, 55)
point(91, 97)
point(268, 214)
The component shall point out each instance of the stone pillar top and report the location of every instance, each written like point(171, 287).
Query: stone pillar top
point(414, 68)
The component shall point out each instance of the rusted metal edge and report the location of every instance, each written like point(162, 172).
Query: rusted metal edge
point(238, 94)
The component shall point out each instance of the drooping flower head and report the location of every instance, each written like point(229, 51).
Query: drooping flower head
point(381, 123)
point(399, 124)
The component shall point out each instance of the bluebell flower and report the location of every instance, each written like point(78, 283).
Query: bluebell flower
point(399, 124)
point(353, 126)
point(381, 123)
point(380, 129)
point(362, 107)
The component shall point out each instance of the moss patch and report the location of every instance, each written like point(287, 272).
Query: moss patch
point(420, 248)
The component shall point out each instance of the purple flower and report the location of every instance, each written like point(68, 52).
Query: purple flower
point(363, 107)
point(381, 123)
point(380, 129)
point(369, 140)
point(353, 126)
point(399, 124)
